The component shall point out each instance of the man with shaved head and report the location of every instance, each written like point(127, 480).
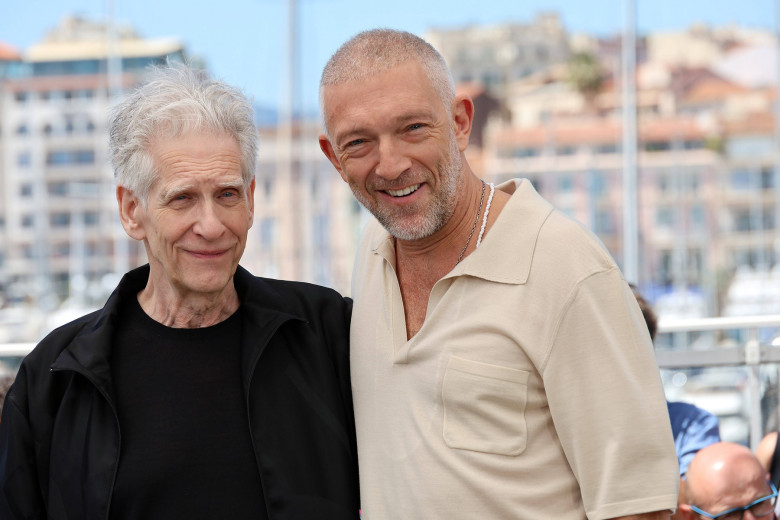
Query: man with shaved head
point(727, 482)
point(500, 365)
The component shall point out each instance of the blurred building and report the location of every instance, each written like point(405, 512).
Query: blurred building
point(62, 247)
point(307, 223)
point(59, 229)
point(496, 56)
point(708, 194)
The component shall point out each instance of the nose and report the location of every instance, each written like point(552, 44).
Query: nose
point(208, 223)
point(393, 159)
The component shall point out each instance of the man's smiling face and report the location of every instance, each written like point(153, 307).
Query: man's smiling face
point(392, 140)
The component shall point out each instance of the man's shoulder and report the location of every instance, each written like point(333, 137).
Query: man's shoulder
point(63, 334)
point(55, 342)
point(679, 410)
point(548, 226)
point(293, 297)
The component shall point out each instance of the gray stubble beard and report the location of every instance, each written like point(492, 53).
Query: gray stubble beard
point(432, 218)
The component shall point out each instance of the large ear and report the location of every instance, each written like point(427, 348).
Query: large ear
point(330, 153)
point(130, 213)
point(684, 512)
point(251, 201)
point(462, 117)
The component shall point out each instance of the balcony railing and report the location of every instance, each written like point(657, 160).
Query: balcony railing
point(753, 342)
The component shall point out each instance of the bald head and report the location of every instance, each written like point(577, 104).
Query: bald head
point(378, 50)
point(725, 475)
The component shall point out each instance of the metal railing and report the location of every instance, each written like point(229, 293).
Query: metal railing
point(751, 353)
point(15, 349)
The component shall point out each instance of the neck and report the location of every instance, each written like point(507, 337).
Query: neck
point(444, 246)
point(188, 311)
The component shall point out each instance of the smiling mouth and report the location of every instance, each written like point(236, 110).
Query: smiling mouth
point(208, 254)
point(404, 192)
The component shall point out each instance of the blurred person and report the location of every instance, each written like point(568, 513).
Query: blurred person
point(768, 454)
point(198, 390)
point(726, 481)
point(692, 427)
point(516, 380)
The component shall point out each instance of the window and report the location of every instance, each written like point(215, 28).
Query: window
point(565, 184)
point(28, 221)
point(697, 217)
point(598, 185)
point(60, 219)
point(742, 180)
point(664, 218)
point(91, 218)
point(24, 159)
point(26, 190)
point(22, 129)
point(64, 157)
point(61, 249)
point(58, 188)
point(268, 187)
point(84, 94)
point(267, 233)
point(657, 146)
point(767, 179)
point(604, 222)
point(664, 183)
point(525, 152)
point(742, 220)
point(606, 148)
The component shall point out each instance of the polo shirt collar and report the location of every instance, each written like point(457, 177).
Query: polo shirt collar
point(506, 253)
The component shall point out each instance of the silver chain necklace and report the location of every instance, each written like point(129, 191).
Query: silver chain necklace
point(474, 227)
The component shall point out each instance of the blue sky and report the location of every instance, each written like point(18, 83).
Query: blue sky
point(244, 41)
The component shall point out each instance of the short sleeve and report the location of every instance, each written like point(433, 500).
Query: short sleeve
point(607, 401)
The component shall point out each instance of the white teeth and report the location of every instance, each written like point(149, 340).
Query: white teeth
point(403, 192)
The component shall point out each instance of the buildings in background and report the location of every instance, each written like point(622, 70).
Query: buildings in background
point(61, 245)
point(59, 228)
point(548, 108)
point(307, 223)
point(709, 199)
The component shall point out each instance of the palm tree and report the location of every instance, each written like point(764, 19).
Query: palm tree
point(584, 73)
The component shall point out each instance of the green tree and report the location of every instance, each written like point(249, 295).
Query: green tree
point(584, 73)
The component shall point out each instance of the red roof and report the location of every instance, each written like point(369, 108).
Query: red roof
point(9, 53)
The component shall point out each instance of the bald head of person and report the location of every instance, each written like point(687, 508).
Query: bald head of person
point(726, 477)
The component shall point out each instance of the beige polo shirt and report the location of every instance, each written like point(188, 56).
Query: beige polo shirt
point(530, 392)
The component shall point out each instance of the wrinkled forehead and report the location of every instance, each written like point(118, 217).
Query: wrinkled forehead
point(737, 491)
point(399, 87)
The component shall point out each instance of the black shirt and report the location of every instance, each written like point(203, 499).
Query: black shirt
point(185, 449)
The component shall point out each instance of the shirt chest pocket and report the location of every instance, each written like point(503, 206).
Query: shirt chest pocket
point(484, 407)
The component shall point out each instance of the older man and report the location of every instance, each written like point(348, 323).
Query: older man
point(516, 380)
point(726, 481)
point(198, 391)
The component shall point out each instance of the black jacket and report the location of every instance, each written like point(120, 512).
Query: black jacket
point(60, 441)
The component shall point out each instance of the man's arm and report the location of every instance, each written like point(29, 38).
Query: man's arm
point(20, 496)
point(616, 432)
